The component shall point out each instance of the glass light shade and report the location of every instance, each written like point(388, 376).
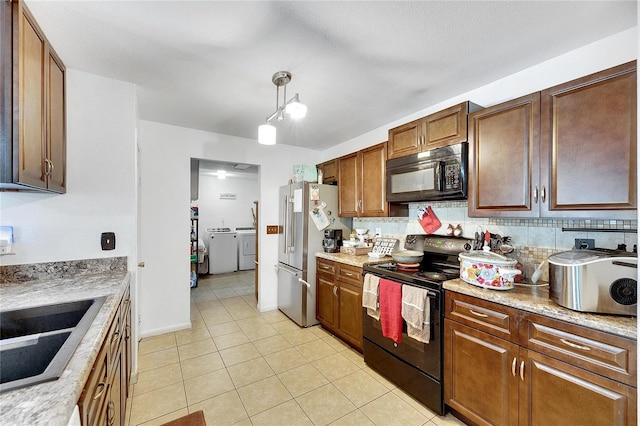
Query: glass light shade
point(296, 109)
point(267, 134)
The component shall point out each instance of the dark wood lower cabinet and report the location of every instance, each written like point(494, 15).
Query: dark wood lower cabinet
point(494, 377)
point(103, 400)
point(339, 300)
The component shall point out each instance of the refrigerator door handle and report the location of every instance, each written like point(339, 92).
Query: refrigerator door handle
point(286, 224)
point(290, 224)
point(286, 269)
point(304, 282)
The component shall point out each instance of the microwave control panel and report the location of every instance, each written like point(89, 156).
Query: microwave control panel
point(452, 175)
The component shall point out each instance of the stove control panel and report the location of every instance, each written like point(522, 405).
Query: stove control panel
point(437, 243)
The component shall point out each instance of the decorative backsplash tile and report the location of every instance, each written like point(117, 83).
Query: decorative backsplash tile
point(64, 269)
point(534, 239)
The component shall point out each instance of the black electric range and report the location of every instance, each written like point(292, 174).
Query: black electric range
point(416, 367)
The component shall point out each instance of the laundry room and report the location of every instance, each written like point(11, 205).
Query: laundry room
point(225, 197)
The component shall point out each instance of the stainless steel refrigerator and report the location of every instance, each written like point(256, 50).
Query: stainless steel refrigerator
point(304, 208)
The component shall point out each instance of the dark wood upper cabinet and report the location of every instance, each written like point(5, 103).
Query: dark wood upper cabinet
point(503, 158)
point(362, 184)
point(566, 152)
point(446, 127)
point(33, 147)
point(588, 145)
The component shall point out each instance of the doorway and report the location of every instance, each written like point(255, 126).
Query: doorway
point(225, 195)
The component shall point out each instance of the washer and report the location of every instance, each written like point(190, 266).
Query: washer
point(246, 248)
point(223, 250)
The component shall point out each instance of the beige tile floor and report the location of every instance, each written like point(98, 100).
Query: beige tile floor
point(244, 367)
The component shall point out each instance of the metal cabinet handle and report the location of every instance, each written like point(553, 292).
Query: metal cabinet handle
point(478, 314)
point(535, 195)
point(543, 196)
point(102, 387)
point(522, 371)
point(514, 363)
point(575, 345)
point(349, 274)
point(335, 290)
point(300, 280)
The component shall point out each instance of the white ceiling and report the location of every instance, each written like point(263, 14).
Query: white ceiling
point(357, 65)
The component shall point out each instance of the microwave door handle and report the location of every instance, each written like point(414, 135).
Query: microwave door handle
point(439, 173)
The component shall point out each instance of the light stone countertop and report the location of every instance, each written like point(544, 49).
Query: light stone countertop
point(351, 259)
point(536, 300)
point(52, 403)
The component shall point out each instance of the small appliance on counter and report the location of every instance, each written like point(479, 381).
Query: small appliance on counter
point(595, 280)
point(332, 240)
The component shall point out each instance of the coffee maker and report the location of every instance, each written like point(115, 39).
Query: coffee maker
point(332, 240)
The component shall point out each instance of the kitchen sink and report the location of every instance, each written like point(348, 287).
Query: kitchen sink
point(37, 343)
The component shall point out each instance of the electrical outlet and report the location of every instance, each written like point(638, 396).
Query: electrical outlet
point(585, 243)
point(273, 229)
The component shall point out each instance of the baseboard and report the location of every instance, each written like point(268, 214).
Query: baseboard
point(158, 331)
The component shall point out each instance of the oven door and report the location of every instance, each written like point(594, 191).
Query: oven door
point(427, 357)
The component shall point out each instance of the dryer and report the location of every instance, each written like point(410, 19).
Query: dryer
point(246, 248)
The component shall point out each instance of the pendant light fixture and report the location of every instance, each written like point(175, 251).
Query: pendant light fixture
point(293, 107)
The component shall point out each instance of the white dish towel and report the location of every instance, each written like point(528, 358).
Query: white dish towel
point(370, 295)
point(416, 312)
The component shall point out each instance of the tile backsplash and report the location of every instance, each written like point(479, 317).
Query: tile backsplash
point(534, 239)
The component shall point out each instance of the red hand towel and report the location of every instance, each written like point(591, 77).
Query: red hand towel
point(391, 309)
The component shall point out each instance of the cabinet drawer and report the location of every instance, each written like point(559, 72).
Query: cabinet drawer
point(612, 356)
point(350, 274)
point(326, 266)
point(498, 320)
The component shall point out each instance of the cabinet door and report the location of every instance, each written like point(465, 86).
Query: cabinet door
point(350, 314)
point(32, 64)
point(115, 414)
point(373, 171)
point(406, 139)
point(503, 144)
point(480, 379)
point(553, 392)
point(56, 138)
point(447, 127)
point(588, 146)
point(326, 301)
point(348, 189)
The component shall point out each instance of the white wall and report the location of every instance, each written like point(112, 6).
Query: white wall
point(597, 56)
point(165, 153)
point(100, 181)
point(219, 213)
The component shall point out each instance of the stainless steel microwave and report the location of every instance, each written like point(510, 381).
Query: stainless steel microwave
point(436, 175)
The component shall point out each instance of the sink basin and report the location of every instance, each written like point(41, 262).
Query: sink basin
point(37, 343)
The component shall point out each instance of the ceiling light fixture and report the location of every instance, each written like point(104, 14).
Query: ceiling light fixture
point(293, 107)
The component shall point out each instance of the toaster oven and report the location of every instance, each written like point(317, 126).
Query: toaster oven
point(597, 280)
